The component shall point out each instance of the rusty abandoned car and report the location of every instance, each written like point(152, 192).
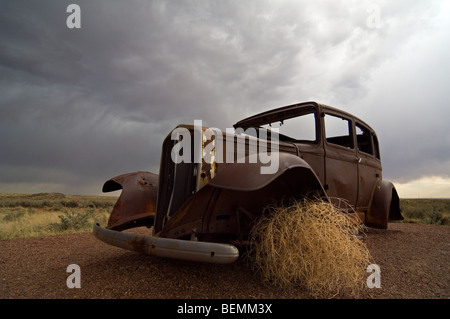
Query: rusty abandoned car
point(212, 185)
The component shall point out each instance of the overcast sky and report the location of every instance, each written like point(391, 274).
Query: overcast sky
point(79, 106)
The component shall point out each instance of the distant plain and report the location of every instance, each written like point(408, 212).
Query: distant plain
point(42, 214)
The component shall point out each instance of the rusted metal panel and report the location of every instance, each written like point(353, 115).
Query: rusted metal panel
point(136, 205)
point(369, 174)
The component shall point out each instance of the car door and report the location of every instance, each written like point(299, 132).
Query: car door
point(369, 164)
point(341, 167)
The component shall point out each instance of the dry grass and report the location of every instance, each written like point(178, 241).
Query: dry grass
point(312, 244)
point(31, 215)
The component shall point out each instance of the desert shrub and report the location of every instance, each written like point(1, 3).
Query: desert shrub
point(70, 203)
point(13, 216)
point(434, 217)
point(311, 244)
point(415, 213)
point(445, 220)
point(426, 211)
point(75, 220)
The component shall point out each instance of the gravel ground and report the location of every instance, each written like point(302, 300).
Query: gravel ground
point(414, 261)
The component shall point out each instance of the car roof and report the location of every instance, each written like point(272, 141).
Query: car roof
point(291, 111)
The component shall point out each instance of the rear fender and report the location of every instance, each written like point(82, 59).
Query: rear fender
point(384, 207)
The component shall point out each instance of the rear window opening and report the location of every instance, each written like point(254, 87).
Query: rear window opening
point(338, 131)
point(364, 140)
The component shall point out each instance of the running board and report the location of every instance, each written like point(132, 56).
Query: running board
point(168, 247)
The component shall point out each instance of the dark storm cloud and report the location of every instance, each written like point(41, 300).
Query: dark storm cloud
point(78, 106)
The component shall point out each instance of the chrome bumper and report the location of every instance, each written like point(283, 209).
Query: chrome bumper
point(167, 247)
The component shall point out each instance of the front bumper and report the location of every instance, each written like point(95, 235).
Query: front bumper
point(168, 247)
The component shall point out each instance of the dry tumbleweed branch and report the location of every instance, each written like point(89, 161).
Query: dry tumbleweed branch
point(311, 243)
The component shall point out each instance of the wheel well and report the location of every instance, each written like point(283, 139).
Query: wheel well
point(394, 208)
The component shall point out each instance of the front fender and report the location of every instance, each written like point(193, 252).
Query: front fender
point(225, 208)
point(136, 205)
point(247, 176)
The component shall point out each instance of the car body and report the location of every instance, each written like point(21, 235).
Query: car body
point(211, 187)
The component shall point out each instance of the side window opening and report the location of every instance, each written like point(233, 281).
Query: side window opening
point(338, 131)
point(364, 140)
